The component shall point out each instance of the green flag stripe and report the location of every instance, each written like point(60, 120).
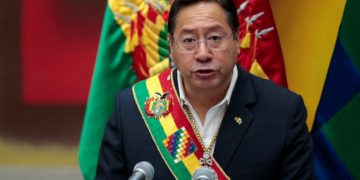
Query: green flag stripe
point(163, 43)
point(164, 33)
point(349, 31)
point(342, 130)
point(112, 73)
point(158, 133)
point(163, 52)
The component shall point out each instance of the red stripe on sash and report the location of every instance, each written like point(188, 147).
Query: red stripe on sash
point(181, 120)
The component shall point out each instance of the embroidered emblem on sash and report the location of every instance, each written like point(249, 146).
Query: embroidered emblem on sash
point(160, 105)
point(180, 145)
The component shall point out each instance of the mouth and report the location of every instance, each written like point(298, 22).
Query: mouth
point(205, 73)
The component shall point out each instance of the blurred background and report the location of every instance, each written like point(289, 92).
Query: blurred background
point(47, 53)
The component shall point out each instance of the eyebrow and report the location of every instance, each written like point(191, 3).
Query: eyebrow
point(187, 31)
point(214, 27)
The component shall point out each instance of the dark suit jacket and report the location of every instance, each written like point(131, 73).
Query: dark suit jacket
point(272, 142)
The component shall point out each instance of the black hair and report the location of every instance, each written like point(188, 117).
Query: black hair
point(227, 5)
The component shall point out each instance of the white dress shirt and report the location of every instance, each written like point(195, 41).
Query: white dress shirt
point(215, 114)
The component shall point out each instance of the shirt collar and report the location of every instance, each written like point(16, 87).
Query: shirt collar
point(227, 97)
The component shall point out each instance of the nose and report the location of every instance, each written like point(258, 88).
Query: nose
point(202, 53)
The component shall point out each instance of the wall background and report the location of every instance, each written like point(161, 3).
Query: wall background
point(47, 49)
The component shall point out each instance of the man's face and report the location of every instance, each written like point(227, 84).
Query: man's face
point(207, 66)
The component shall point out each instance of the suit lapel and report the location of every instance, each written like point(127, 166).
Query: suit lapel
point(231, 132)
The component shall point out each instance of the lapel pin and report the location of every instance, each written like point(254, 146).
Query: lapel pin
point(238, 120)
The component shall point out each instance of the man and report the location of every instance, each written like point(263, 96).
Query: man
point(208, 113)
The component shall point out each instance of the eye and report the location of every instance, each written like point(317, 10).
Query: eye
point(215, 38)
point(188, 40)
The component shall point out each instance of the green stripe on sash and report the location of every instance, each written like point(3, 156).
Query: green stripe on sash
point(156, 130)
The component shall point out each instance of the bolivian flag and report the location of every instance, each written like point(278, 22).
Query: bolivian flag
point(133, 45)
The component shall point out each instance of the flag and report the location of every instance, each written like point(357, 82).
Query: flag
point(307, 32)
point(316, 50)
point(132, 46)
point(112, 72)
point(336, 127)
point(322, 63)
point(260, 50)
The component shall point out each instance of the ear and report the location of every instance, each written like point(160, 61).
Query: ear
point(171, 43)
point(170, 40)
point(237, 39)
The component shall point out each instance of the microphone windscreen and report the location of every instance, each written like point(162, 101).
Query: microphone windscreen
point(204, 173)
point(146, 168)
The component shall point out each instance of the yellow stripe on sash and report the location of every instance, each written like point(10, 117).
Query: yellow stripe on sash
point(167, 123)
point(191, 162)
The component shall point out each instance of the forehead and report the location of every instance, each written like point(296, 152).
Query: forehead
point(201, 17)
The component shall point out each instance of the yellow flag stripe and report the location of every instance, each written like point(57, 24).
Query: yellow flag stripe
point(151, 33)
point(307, 31)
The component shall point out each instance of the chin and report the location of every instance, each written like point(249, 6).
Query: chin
point(206, 85)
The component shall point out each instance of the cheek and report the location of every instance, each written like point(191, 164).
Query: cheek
point(181, 62)
point(234, 53)
point(181, 58)
point(231, 55)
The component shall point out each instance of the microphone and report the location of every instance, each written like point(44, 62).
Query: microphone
point(142, 171)
point(204, 173)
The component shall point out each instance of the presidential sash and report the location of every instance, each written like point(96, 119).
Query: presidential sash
point(170, 128)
